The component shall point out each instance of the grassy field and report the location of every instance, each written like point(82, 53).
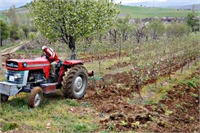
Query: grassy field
point(147, 12)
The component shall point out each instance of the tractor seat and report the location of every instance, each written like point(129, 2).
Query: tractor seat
point(59, 64)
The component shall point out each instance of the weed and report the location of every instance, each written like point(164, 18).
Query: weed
point(178, 106)
point(191, 84)
point(149, 102)
point(110, 80)
point(86, 104)
point(71, 102)
point(164, 97)
point(110, 126)
point(98, 92)
point(161, 89)
point(124, 123)
point(136, 124)
point(194, 95)
point(162, 105)
point(145, 126)
point(8, 126)
point(185, 110)
point(192, 118)
point(168, 112)
point(82, 127)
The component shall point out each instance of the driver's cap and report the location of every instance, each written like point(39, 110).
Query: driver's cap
point(43, 47)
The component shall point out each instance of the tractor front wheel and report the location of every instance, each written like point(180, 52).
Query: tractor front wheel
point(35, 97)
point(4, 98)
point(75, 82)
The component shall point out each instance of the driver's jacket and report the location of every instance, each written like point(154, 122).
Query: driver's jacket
point(51, 55)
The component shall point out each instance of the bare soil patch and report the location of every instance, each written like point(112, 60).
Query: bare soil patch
point(177, 112)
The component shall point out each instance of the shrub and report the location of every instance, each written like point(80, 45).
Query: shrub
point(156, 29)
point(32, 35)
point(177, 29)
point(14, 32)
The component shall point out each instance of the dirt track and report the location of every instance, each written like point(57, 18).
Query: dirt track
point(11, 49)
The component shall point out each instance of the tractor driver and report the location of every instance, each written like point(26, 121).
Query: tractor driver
point(52, 57)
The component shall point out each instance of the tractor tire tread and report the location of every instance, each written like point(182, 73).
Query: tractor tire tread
point(68, 80)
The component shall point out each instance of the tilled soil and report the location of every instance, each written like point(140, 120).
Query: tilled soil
point(177, 112)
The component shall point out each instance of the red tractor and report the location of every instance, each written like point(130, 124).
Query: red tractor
point(33, 75)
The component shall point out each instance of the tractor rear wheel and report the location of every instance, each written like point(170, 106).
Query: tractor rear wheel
point(4, 98)
point(75, 82)
point(35, 97)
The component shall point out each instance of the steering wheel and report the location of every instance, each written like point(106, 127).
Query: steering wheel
point(43, 55)
point(46, 57)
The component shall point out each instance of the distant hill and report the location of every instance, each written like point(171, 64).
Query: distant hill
point(186, 7)
point(147, 12)
point(168, 3)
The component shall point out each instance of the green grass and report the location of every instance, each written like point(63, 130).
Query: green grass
point(54, 115)
point(147, 12)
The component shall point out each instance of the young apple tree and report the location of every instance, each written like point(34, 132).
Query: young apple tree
point(68, 20)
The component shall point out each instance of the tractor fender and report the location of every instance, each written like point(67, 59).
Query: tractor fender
point(67, 64)
point(73, 62)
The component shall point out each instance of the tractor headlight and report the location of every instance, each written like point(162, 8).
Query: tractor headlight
point(17, 76)
point(24, 64)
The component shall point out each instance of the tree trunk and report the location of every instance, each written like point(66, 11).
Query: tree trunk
point(123, 36)
point(169, 73)
point(26, 34)
point(0, 62)
point(1, 42)
point(182, 69)
point(100, 38)
point(72, 47)
point(99, 60)
point(115, 36)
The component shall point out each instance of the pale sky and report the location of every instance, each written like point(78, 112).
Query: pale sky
point(6, 4)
